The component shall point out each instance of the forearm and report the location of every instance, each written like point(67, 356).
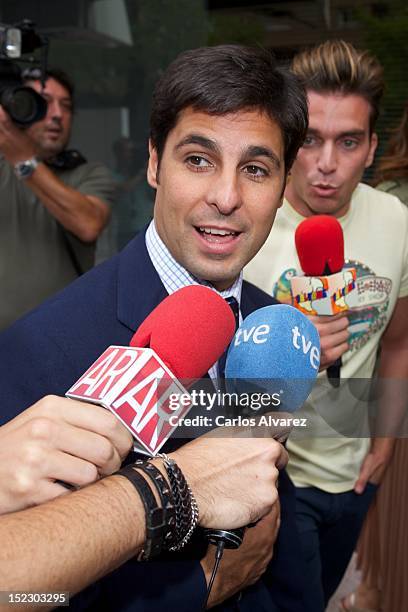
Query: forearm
point(84, 216)
point(389, 401)
point(391, 390)
point(67, 544)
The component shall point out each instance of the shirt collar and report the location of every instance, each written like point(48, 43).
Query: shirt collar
point(173, 275)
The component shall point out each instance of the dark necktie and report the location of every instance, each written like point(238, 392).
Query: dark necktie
point(233, 303)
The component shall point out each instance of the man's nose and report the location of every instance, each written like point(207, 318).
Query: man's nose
point(224, 192)
point(327, 161)
point(55, 110)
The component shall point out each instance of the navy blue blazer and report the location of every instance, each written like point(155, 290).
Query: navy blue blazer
point(47, 350)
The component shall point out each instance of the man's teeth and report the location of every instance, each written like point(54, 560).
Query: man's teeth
point(216, 232)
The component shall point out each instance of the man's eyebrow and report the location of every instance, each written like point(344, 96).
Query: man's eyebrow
point(260, 151)
point(249, 153)
point(356, 132)
point(45, 94)
point(202, 141)
point(353, 133)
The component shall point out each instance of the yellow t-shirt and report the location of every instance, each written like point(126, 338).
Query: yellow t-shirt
point(376, 244)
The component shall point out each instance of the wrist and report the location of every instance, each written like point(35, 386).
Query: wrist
point(186, 507)
point(382, 446)
point(168, 504)
point(192, 474)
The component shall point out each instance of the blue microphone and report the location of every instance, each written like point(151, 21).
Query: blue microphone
point(276, 350)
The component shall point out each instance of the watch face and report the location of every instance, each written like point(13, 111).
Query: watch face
point(26, 168)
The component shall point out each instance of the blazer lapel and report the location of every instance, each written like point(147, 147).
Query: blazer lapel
point(139, 287)
point(247, 304)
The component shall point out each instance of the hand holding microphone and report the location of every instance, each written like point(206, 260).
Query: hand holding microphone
point(180, 339)
point(275, 350)
point(320, 247)
point(334, 334)
point(221, 472)
point(57, 441)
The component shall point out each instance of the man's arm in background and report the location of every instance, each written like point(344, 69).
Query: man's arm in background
point(392, 391)
point(83, 215)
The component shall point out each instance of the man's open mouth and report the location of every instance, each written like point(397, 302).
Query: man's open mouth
point(213, 231)
point(218, 237)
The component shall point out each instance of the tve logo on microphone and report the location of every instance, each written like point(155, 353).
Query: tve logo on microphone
point(276, 349)
point(259, 334)
point(135, 385)
point(301, 343)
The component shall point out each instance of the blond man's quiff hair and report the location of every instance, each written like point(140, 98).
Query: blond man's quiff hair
point(336, 66)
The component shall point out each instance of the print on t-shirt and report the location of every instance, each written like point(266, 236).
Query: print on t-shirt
point(368, 317)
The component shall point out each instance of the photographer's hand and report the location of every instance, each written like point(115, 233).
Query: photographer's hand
point(15, 144)
point(82, 214)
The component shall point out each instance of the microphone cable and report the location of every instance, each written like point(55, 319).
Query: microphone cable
point(222, 539)
point(219, 551)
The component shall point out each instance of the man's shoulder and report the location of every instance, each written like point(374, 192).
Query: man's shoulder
point(396, 187)
point(85, 168)
point(377, 199)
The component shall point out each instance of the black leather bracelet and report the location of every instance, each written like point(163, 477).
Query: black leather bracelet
point(155, 519)
point(166, 497)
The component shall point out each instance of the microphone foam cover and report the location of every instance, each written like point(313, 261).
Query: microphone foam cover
point(275, 350)
point(320, 245)
point(189, 330)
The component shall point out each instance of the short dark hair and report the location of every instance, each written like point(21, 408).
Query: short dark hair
point(34, 74)
point(225, 79)
point(335, 66)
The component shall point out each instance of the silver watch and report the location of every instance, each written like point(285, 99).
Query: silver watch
point(25, 169)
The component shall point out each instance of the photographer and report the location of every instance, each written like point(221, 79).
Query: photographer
point(54, 204)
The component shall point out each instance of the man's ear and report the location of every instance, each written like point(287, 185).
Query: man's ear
point(373, 148)
point(153, 166)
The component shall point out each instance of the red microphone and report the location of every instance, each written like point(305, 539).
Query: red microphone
point(190, 330)
point(185, 335)
point(320, 247)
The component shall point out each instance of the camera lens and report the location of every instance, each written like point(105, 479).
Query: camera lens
point(24, 105)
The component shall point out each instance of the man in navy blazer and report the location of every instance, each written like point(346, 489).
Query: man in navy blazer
point(226, 125)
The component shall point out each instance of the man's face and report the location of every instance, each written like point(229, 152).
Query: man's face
point(51, 134)
point(337, 149)
point(220, 184)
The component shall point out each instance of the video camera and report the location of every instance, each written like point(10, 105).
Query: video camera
point(24, 105)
